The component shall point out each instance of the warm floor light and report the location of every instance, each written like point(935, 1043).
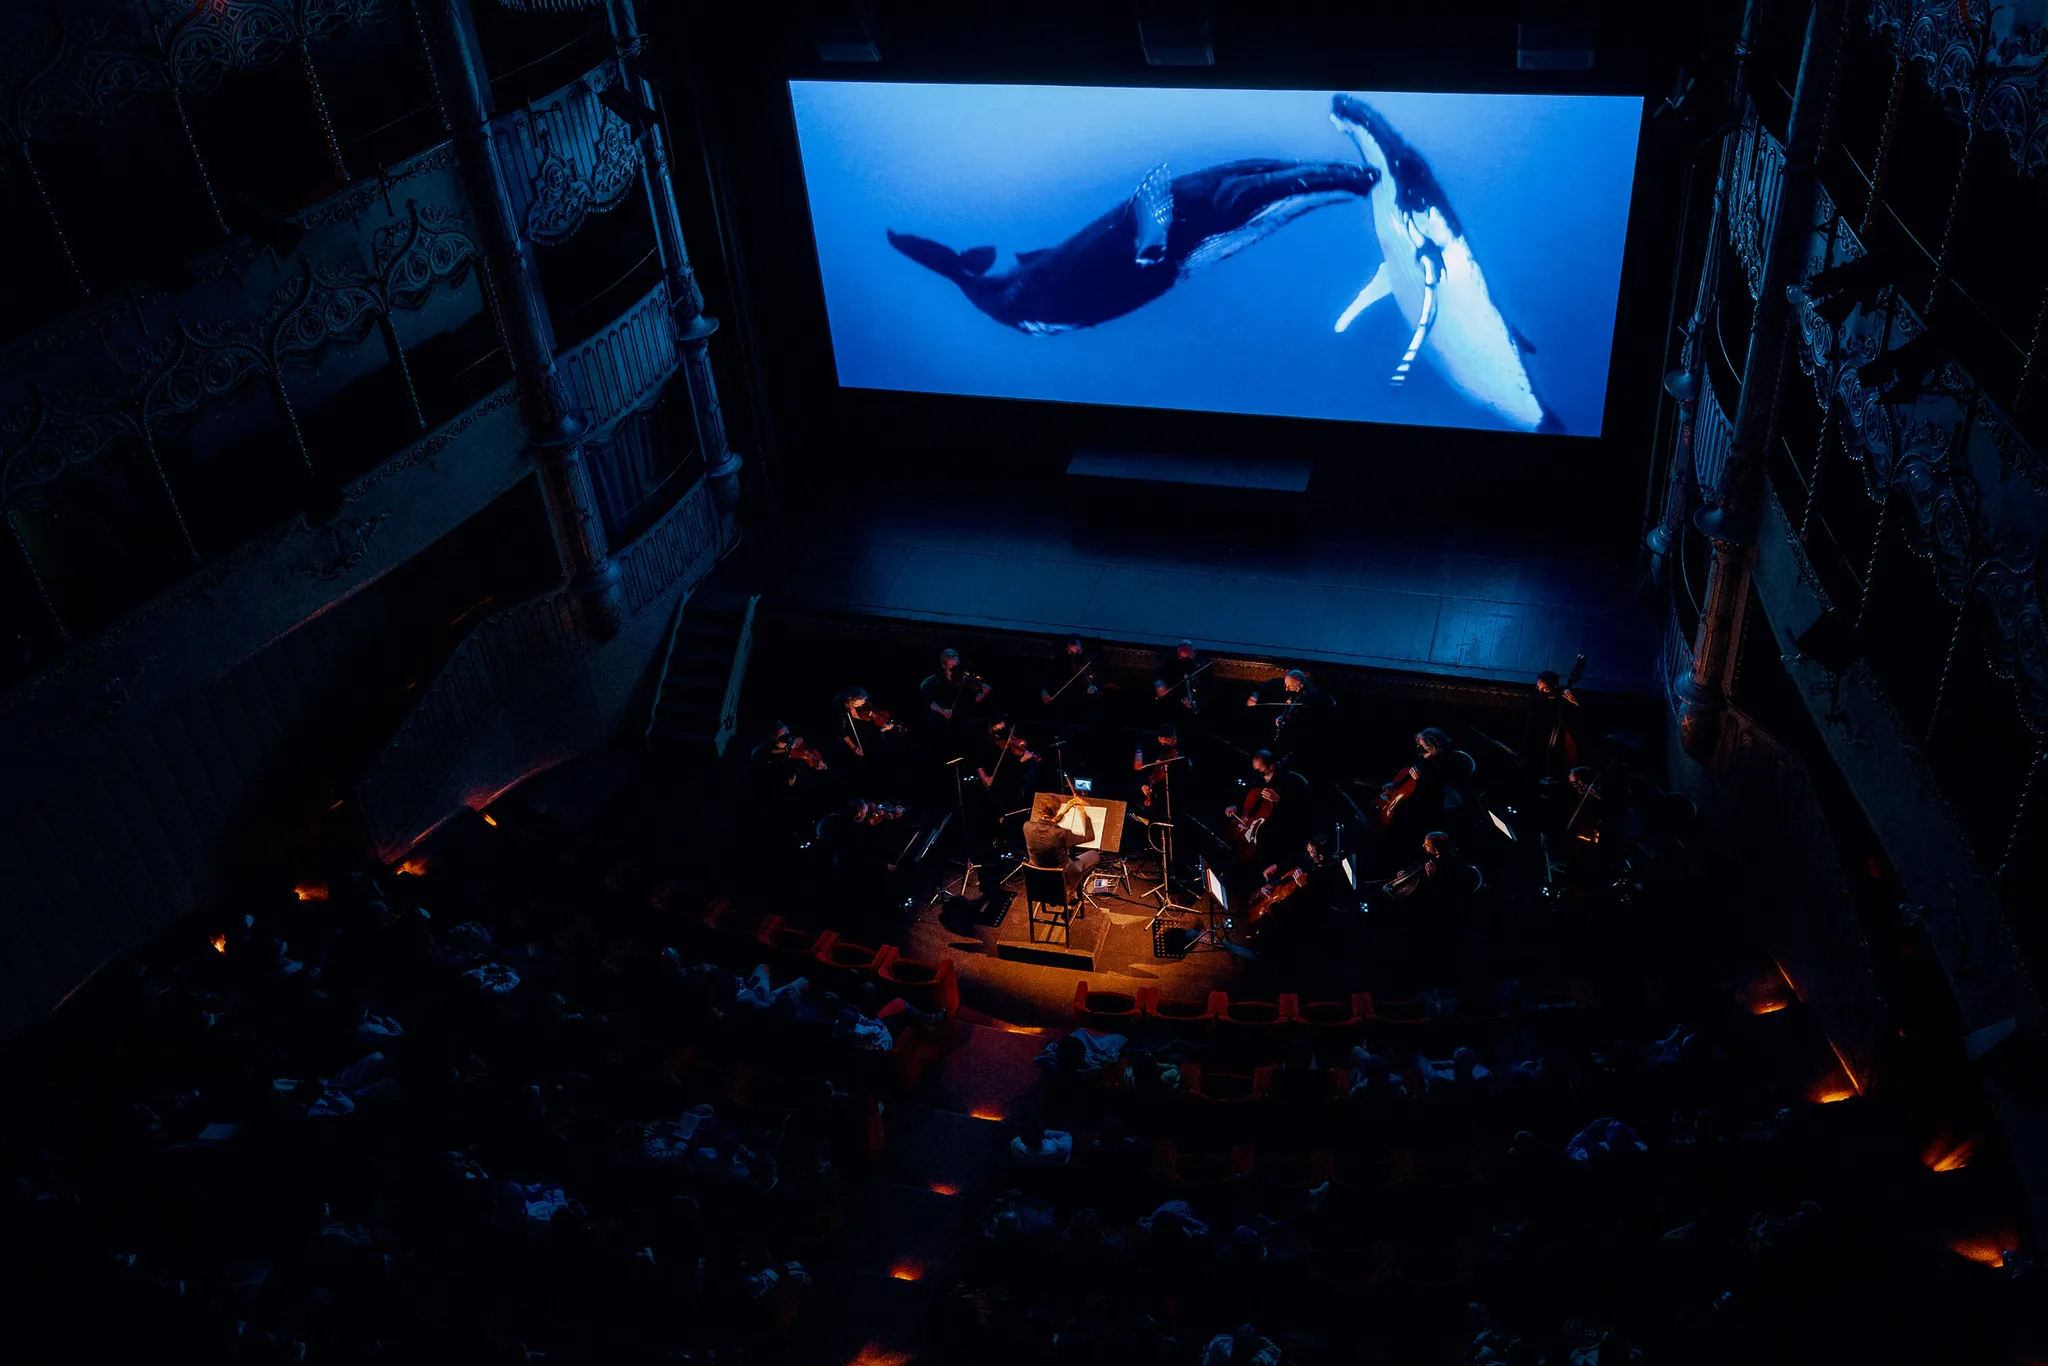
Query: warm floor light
point(490, 820)
point(909, 1269)
point(1829, 1090)
point(875, 1354)
point(1947, 1154)
point(1983, 1251)
point(220, 943)
point(944, 1188)
point(311, 891)
point(413, 867)
point(985, 1112)
point(1768, 1007)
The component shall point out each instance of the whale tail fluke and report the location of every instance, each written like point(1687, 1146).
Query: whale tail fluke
point(937, 256)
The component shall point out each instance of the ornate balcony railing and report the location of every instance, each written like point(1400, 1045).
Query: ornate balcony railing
point(567, 158)
point(1711, 436)
point(623, 367)
point(499, 655)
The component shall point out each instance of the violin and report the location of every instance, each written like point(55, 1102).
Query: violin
point(878, 718)
point(805, 755)
point(1155, 772)
point(877, 812)
point(1010, 743)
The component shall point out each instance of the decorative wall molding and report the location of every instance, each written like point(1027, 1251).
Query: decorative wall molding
point(1984, 62)
point(1712, 435)
point(84, 63)
point(214, 359)
point(567, 158)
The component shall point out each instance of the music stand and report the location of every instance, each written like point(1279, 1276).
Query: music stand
point(1164, 891)
point(966, 836)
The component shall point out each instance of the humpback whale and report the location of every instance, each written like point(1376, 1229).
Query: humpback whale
point(1428, 269)
point(1168, 228)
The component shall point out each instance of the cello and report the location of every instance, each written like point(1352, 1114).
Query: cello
point(1271, 895)
point(1245, 822)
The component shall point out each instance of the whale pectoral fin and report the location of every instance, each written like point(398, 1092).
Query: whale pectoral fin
point(1376, 289)
point(1522, 343)
point(976, 260)
point(1152, 215)
point(1417, 341)
point(1025, 258)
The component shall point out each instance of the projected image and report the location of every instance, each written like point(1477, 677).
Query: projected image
point(1438, 259)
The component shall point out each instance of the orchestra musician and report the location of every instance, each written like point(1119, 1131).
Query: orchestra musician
point(1258, 823)
point(1417, 791)
point(1301, 712)
point(1312, 890)
point(1050, 844)
point(953, 690)
point(1550, 733)
point(1070, 693)
point(782, 759)
point(1180, 671)
point(1004, 765)
point(1152, 766)
point(1438, 879)
point(862, 724)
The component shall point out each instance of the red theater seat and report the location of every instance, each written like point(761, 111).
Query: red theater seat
point(790, 945)
point(1251, 1024)
point(927, 986)
point(1114, 1012)
point(1184, 1017)
point(844, 958)
point(1333, 1024)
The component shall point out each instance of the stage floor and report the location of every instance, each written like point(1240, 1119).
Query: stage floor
point(1047, 559)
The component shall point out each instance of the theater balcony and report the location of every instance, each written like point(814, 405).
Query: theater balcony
point(345, 423)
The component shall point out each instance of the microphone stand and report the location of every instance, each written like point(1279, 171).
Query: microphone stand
point(966, 835)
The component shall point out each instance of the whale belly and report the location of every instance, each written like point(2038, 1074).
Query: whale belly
point(1471, 345)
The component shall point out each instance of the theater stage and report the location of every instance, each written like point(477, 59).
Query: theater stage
point(1271, 576)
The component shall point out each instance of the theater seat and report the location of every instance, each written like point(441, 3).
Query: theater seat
point(1183, 1017)
point(1329, 1025)
point(788, 944)
point(1113, 1012)
point(1252, 1024)
point(845, 959)
point(927, 986)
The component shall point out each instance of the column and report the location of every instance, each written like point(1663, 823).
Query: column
point(694, 326)
point(1731, 525)
point(514, 295)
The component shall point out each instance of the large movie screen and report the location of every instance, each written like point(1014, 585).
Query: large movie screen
point(1437, 259)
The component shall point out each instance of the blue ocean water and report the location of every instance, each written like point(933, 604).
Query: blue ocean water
point(1540, 182)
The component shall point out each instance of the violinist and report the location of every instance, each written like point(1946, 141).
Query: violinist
point(1004, 765)
point(783, 758)
point(1182, 673)
point(1417, 791)
point(1300, 709)
point(953, 691)
point(1154, 766)
point(861, 724)
point(1069, 690)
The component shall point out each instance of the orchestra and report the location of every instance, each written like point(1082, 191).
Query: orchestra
point(1285, 849)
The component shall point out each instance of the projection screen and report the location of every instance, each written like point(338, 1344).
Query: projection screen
point(1437, 259)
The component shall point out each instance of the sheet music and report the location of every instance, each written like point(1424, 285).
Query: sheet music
point(1088, 822)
